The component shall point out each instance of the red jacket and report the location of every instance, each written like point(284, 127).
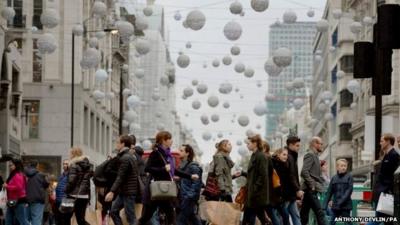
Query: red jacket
point(16, 188)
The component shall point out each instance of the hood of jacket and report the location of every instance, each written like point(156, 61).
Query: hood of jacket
point(81, 161)
point(31, 171)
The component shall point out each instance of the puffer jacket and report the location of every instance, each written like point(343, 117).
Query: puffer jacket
point(36, 186)
point(127, 178)
point(80, 173)
point(340, 188)
point(190, 189)
point(60, 189)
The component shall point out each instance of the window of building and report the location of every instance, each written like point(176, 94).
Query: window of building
point(108, 139)
point(37, 63)
point(103, 138)
point(30, 119)
point(19, 19)
point(92, 129)
point(86, 125)
point(334, 38)
point(15, 91)
point(346, 98)
point(346, 63)
point(37, 11)
point(98, 135)
point(345, 134)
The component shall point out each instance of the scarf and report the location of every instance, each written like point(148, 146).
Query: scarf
point(169, 159)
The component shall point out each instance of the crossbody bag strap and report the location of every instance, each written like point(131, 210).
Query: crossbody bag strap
point(165, 162)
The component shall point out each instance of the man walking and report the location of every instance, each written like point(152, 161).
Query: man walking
point(62, 218)
point(312, 183)
point(293, 147)
point(35, 193)
point(126, 184)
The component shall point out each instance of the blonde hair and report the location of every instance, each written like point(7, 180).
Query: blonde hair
point(342, 161)
point(76, 152)
point(279, 151)
point(220, 146)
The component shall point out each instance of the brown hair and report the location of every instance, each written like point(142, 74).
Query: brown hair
point(279, 151)
point(189, 149)
point(126, 140)
point(257, 139)
point(220, 146)
point(76, 152)
point(266, 148)
point(162, 136)
point(389, 137)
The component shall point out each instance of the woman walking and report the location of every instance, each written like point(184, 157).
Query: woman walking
point(257, 185)
point(16, 195)
point(78, 186)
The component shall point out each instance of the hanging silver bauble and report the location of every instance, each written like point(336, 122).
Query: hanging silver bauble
point(139, 73)
point(354, 87)
point(232, 31)
point(355, 27)
point(328, 116)
point(242, 14)
point(196, 104)
point(226, 105)
point(133, 101)
point(125, 29)
point(100, 34)
point(50, 18)
point(8, 13)
point(188, 45)
point(235, 50)
point(207, 136)
point(142, 46)
point(236, 7)
point(337, 13)
point(188, 92)
point(177, 16)
point(195, 20)
point(156, 96)
point(311, 13)
point(215, 63)
point(148, 11)
point(239, 142)
point(353, 105)
point(164, 80)
point(260, 109)
point(322, 26)
point(271, 68)
point(340, 74)
point(225, 88)
point(126, 92)
point(243, 151)
point(289, 86)
point(47, 43)
point(183, 61)
point(125, 123)
point(332, 49)
point(215, 118)
point(98, 95)
point(259, 5)
point(204, 119)
point(110, 95)
point(195, 82)
point(99, 9)
point(227, 60)
point(101, 75)
point(326, 96)
point(78, 30)
point(282, 57)
point(289, 17)
point(243, 120)
point(298, 103)
point(184, 24)
point(220, 135)
point(240, 67)
point(249, 72)
point(202, 88)
point(93, 42)
point(213, 101)
point(368, 21)
point(298, 83)
point(141, 23)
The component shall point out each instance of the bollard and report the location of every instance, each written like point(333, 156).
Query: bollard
point(396, 192)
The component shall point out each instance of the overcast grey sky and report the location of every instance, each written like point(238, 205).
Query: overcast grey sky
point(208, 44)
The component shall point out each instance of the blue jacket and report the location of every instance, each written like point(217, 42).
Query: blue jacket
point(190, 189)
point(61, 186)
point(340, 188)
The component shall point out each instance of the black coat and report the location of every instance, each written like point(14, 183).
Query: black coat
point(282, 168)
point(294, 185)
point(340, 188)
point(80, 173)
point(126, 182)
point(36, 186)
point(156, 166)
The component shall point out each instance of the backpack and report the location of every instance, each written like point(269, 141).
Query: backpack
point(106, 173)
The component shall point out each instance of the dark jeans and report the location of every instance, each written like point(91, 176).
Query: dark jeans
point(340, 213)
point(283, 212)
point(249, 217)
point(19, 214)
point(80, 211)
point(311, 201)
point(148, 210)
point(271, 212)
point(127, 202)
point(62, 218)
point(187, 213)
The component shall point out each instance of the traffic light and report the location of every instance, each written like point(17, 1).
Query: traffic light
point(364, 59)
point(382, 78)
point(389, 26)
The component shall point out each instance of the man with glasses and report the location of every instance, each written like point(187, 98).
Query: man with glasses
point(312, 183)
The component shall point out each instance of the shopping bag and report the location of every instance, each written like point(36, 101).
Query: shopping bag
point(3, 198)
point(386, 204)
point(220, 213)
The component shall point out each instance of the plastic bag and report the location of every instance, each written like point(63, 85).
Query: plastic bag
point(386, 204)
point(3, 198)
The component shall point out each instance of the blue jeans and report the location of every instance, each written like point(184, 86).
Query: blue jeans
point(35, 213)
point(18, 213)
point(291, 208)
point(188, 213)
point(283, 213)
point(127, 202)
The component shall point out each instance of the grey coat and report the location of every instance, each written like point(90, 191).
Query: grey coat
point(311, 173)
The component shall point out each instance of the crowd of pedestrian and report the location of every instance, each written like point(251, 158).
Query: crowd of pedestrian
point(167, 188)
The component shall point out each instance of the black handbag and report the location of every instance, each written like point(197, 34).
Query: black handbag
point(67, 205)
point(12, 203)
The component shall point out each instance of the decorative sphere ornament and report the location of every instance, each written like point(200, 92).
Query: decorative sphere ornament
point(93, 42)
point(235, 50)
point(326, 96)
point(355, 27)
point(353, 105)
point(100, 34)
point(311, 13)
point(243, 151)
point(322, 26)
point(204, 119)
point(47, 43)
point(227, 60)
point(183, 61)
point(259, 5)
point(298, 103)
point(340, 74)
point(332, 49)
point(236, 7)
point(202, 88)
point(322, 107)
point(243, 120)
point(177, 16)
point(258, 126)
point(220, 135)
point(164, 80)
point(146, 144)
point(232, 31)
point(126, 92)
point(368, 21)
point(213, 101)
point(207, 136)
point(226, 105)
point(133, 101)
point(110, 95)
point(188, 45)
point(101, 75)
point(142, 46)
point(139, 73)
point(148, 11)
point(337, 13)
point(188, 92)
point(298, 83)
point(50, 18)
point(289, 17)
point(156, 96)
point(141, 23)
point(78, 30)
point(195, 82)
point(184, 24)
point(260, 109)
point(328, 116)
point(98, 95)
point(318, 59)
point(250, 133)
point(259, 84)
point(225, 88)
point(215, 118)
point(130, 116)
point(125, 123)
point(282, 57)
point(240, 67)
point(249, 72)
point(125, 29)
point(99, 9)
point(215, 63)
point(196, 104)
point(271, 68)
point(289, 86)
point(195, 20)
point(8, 13)
point(242, 13)
point(354, 87)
